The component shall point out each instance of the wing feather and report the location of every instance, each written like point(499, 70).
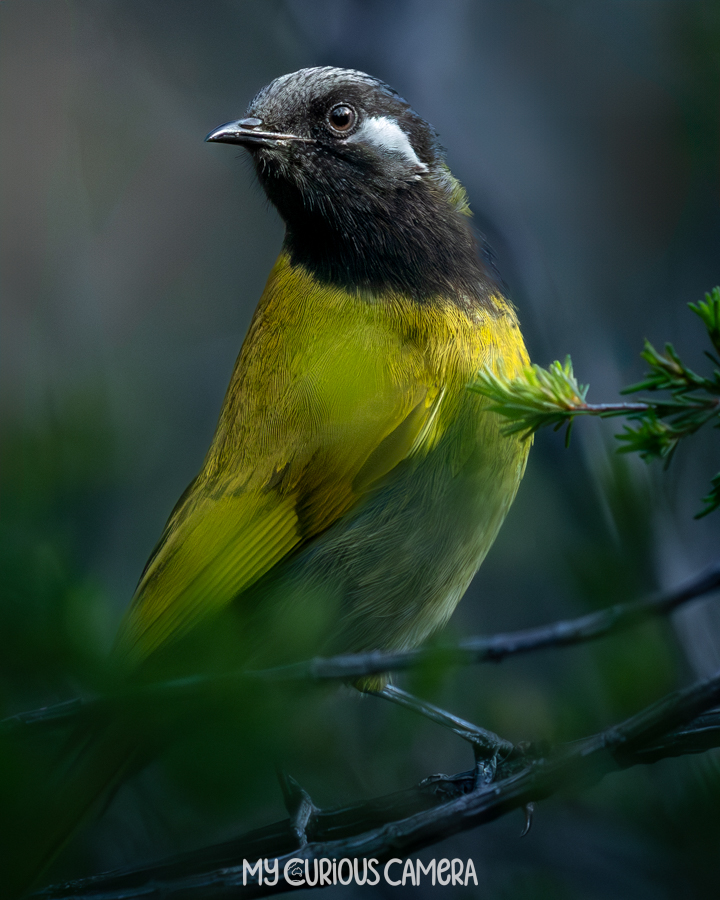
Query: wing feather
point(313, 419)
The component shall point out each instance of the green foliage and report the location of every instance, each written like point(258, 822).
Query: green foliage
point(711, 499)
point(552, 397)
point(539, 397)
point(56, 471)
point(709, 312)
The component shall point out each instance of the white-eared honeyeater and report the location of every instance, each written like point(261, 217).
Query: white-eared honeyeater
point(354, 483)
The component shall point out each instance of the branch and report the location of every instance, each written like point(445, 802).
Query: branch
point(473, 650)
point(406, 822)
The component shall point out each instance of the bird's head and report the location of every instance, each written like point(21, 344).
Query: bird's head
point(327, 137)
point(360, 180)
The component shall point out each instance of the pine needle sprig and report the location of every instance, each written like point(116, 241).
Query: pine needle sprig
point(538, 398)
point(553, 397)
point(709, 312)
point(712, 499)
point(544, 397)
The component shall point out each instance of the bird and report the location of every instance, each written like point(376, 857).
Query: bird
point(355, 482)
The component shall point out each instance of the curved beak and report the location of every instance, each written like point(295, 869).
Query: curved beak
point(249, 133)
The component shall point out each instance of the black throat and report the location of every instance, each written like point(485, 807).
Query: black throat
point(408, 240)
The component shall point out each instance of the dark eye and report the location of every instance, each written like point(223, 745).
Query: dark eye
point(342, 118)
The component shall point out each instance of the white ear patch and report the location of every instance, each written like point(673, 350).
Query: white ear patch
point(387, 135)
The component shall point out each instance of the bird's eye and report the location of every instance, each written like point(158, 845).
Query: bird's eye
point(342, 118)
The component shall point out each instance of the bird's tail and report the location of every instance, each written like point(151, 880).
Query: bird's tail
point(92, 766)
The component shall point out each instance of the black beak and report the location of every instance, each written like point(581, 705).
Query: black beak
point(249, 133)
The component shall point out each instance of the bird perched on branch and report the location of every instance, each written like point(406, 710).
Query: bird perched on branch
point(354, 483)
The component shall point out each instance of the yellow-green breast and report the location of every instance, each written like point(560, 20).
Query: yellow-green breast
point(354, 484)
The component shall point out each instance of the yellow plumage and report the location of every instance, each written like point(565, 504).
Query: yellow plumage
point(345, 413)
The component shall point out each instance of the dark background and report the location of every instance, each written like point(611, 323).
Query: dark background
point(133, 255)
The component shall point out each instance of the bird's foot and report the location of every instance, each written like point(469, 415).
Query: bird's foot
point(488, 747)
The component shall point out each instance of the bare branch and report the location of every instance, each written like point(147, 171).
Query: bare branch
point(439, 807)
point(473, 650)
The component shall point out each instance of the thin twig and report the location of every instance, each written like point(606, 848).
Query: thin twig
point(470, 651)
point(609, 409)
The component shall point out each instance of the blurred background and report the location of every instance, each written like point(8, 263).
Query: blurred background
point(133, 255)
